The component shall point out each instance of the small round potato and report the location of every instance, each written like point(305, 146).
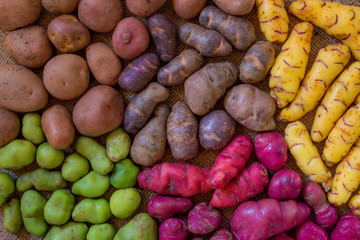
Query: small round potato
point(144, 8)
point(100, 15)
point(9, 126)
point(58, 127)
point(99, 111)
point(103, 63)
point(66, 76)
point(60, 6)
point(68, 34)
point(29, 47)
point(18, 13)
point(235, 7)
point(188, 9)
point(130, 38)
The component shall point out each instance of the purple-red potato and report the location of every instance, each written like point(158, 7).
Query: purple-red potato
point(9, 126)
point(18, 13)
point(60, 6)
point(283, 236)
point(286, 184)
point(310, 231)
point(163, 207)
point(144, 8)
point(203, 219)
point(325, 213)
point(103, 63)
point(130, 38)
point(197, 239)
point(222, 234)
point(235, 7)
point(139, 72)
point(262, 219)
point(271, 150)
point(66, 76)
point(29, 47)
point(100, 15)
point(21, 90)
point(99, 111)
point(173, 229)
point(58, 127)
point(348, 228)
point(68, 34)
point(163, 31)
point(188, 9)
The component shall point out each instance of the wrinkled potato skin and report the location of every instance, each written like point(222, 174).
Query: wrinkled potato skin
point(144, 8)
point(60, 6)
point(29, 47)
point(58, 127)
point(188, 9)
point(235, 7)
point(68, 34)
point(18, 13)
point(100, 15)
point(103, 63)
point(9, 126)
point(21, 90)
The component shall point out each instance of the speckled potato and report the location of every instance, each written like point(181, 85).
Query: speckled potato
point(144, 8)
point(68, 34)
point(60, 6)
point(235, 7)
point(9, 126)
point(188, 9)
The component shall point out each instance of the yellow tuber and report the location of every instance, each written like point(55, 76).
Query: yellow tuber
point(357, 100)
point(354, 203)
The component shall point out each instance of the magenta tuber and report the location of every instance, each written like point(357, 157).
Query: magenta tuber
point(283, 236)
point(222, 234)
point(163, 207)
point(310, 231)
point(286, 184)
point(348, 228)
point(173, 229)
point(203, 219)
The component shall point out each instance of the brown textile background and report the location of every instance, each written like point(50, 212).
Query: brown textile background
point(205, 158)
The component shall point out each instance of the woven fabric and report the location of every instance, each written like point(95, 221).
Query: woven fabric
point(205, 158)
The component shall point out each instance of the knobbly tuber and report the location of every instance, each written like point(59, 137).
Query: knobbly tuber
point(309, 230)
point(203, 219)
point(163, 207)
point(173, 229)
point(205, 87)
point(142, 105)
point(348, 227)
point(222, 234)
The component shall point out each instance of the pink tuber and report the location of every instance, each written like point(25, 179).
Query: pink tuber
point(162, 207)
point(310, 231)
point(173, 229)
point(222, 234)
point(286, 184)
point(271, 149)
point(203, 219)
point(283, 236)
point(348, 228)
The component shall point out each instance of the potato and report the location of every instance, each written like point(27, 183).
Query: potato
point(130, 38)
point(58, 127)
point(99, 111)
point(188, 9)
point(29, 47)
point(18, 13)
point(235, 7)
point(9, 126)
point(68, 34)
point(21, 90)
point(251, 107)
point(60, 6)
point(66, 76)
point(104, 64)
point(144, 8)
point(99, 15)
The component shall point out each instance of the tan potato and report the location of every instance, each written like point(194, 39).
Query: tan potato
point(144, 8)
point(60, 6)
point(99, 15)
point(188, 9)
point(235, 7)
point(58, 127)
point(29, 47)
point(9, 126)
point(103, 63)
point(21, 90)
point(66, 76)
point(99, 111)
point(18, 13)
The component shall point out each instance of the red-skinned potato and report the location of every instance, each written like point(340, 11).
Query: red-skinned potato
point(235, 7)
point(188, 9)
point(144, 8)
point(286, 184)
point(309, 230)
point(130, 38)
point(60, 6)
point(9, 126)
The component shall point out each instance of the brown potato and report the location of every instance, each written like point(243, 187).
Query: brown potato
point(21, 90)
point(29, 46)
point(60, 6)
point(235, 7)
point(18, 13)
point(144, 8)
point(99, 111)
point(100, 15)
point(103, 63)
point(188, 9)
point(66, 76)
point(58, 127)
point(9, 126)
point(68, 34)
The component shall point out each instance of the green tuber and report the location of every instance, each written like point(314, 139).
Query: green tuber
point(125, 202)
point(69, 231)
point(124, 174)
point(141, 227)
point(17, 154)
point(31, 128)
point(75, 167)
point(12, 216)
point(92, 185)
point(58, 208)
point(101, 232)
point(118, 145)
point(48, 157)
point(7, 186)
point(94, 211)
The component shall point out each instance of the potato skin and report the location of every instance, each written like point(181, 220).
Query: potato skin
point(99, 15)
point(99, 111)
point(66, 76)
point(29, 47)
point(130, 38)
point(18, 13)
point(58, 127)
point(9, 126)
point(68, 34)
point(103, 63)
point(188, 9)
point(144, 8)
point(235, 7)
point(60, 6)
point(21, 90)
point(251, 107)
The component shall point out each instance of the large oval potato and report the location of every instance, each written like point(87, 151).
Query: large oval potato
point(9, 126)
point(99, 111)
point(29, 47)
point(235, 7)
point(18, 13)
point(188, 9)
point(144, 8)
point(21, 90)
point(60, 6)
point(58, 127)
point(66, 76)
